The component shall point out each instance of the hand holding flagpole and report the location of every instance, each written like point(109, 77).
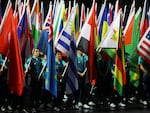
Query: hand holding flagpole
point(64, 71)
point(3, 64)
point(42, 70)
point(28, 67)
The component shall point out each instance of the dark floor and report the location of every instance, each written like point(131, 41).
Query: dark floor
point(131, 108)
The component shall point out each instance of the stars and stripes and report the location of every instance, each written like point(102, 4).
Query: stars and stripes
point(144, 46)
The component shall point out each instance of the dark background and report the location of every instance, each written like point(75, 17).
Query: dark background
point(87, 3)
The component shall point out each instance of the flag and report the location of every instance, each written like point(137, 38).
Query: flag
point(112, 34)
point(120, 72)
point(48, 23)
point(58, 20)
point(129, 30)
point(41, 15)
point(102, 16)
point(45, 44)
point(66, 44)
point(51, 79)
point(47, 32)
point(77, 23)
point(72, 79)
point(133, 62)
point(82, 17)
point(86, 40)
point(144, 19)
point(110, 42)
point(35, 21)
point(110, 14)
point(22, 29)
point(63, 42)
point(148, 17)
point(143, 48)
point(132, 38)
point(15, 67)
point(4, 31)
point(28, 34)
point(104, 23)
point(22, 25)
point(42, 44)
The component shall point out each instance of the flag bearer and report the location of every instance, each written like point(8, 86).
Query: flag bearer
point(60, 66)
point(33, 68)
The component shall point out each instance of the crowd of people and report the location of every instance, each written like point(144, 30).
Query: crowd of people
point(88, 95)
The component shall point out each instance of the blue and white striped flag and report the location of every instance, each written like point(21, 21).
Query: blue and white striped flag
point(66, 44)
point(72, 80)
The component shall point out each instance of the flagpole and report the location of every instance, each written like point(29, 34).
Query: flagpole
point(42, 70)
point(67, 64)
point(98, 49)
point(3, 64)
point(28, 67)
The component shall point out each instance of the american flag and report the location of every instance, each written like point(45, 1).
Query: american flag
point(143, 48)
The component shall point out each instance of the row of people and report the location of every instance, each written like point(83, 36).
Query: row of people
point(36, 94)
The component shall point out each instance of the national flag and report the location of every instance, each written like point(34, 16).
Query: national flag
point(133, 61)
point(48, 23)
point(110, 42)
point(47, 32)
point(131, 35)
point(15, 67)
point(144, 19)
point(46, 45)
point(148, 17)
point(41, 15)
point(129, 30)
point(22, 25)
point(72, 79)
point(58, 20)
point(22, 30)
point(104, 23)
point(82, 17)
point(112, 34)
point(51, 79)
point(30, 40)
point(66, 44)
point(87, 41)
point(77, 29)
point(63, 42)
point(102, 17)
point(42, 44)
point(4, 31)
point(35, 21)
point(110, 14)
point(120, 72)
point(143, 48)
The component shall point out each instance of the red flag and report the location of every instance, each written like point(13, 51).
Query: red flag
point(86, 41)
point(91, 48)
point(4, 31)
point(15, 67)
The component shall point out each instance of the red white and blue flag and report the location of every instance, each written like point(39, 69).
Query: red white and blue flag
point(143, 48)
